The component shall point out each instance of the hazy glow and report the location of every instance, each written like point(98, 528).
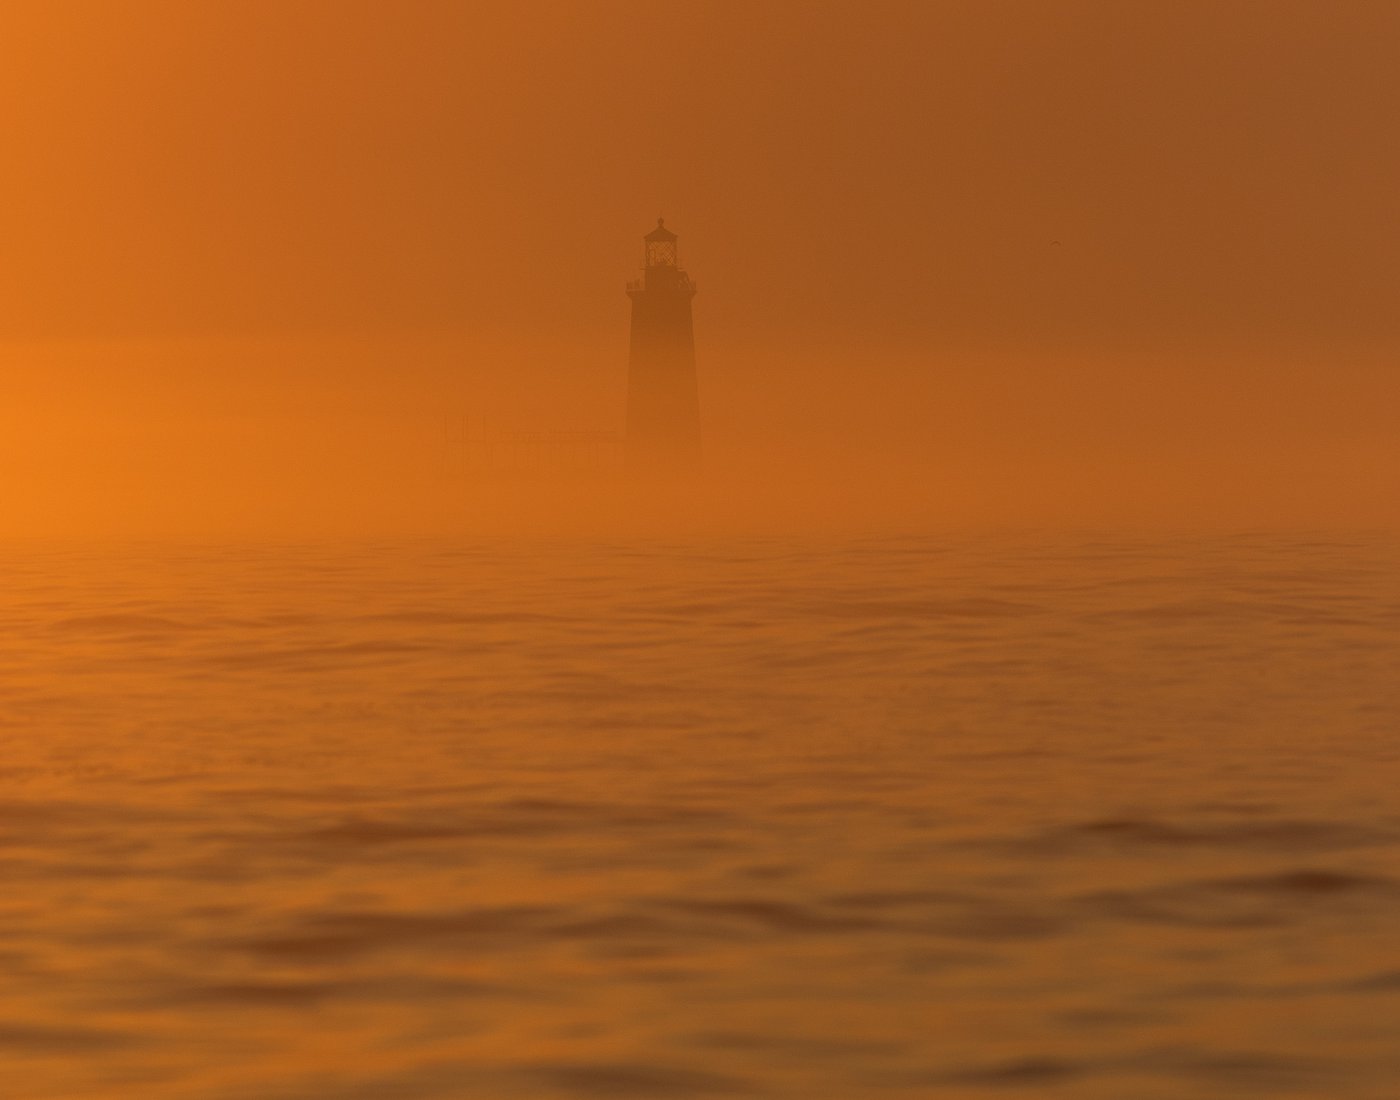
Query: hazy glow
point(1081, 261)
point(865, 771)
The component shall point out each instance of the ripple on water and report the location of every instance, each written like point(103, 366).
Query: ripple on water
point(1126, 834)
point(1246, 901)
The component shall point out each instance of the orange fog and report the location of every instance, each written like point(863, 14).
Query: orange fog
point(267, 267)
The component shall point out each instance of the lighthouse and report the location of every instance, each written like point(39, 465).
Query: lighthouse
point(663, 402)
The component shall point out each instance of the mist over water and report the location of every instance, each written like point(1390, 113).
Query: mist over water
point(373, 729)
point(365, 437)
point(807, 816)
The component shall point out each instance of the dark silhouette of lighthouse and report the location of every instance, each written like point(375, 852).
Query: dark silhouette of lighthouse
point(663, 401)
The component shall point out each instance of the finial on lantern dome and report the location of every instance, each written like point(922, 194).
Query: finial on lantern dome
point(661, 233)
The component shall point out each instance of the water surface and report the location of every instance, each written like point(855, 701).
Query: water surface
point(876, 819)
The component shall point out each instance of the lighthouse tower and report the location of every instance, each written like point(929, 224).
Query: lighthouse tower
point(663, 403)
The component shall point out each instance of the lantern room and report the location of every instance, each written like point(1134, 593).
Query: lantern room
point(661, 246)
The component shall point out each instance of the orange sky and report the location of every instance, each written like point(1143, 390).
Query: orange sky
point(1070, 260)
